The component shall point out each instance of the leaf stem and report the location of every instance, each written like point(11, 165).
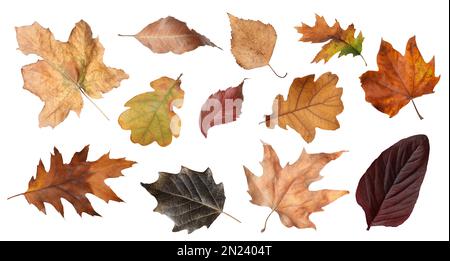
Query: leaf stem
point(231, 216)
point(17, 195)
point(95, 105)
point(363, 59)
point(417, 111)
point(276, 72)
point(265, 223)
point(127, 35)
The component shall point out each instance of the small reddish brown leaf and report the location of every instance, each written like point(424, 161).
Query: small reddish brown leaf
point(171, 35)
point(221, 107)
point(390, 187)
point(73, 181)
point(399, 79)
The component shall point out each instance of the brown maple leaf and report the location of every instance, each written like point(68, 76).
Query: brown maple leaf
point(400, 78)
point(73, 181)
point(286, 190)
point(339, 40)
point(67, 70)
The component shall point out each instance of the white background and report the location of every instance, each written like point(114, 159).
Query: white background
point(364, 131)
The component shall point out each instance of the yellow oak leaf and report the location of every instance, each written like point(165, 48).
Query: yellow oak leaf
point(150, 116)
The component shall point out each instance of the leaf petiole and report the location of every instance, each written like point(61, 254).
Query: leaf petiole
point(276, 72)
point(417, 111)
point(231, 216)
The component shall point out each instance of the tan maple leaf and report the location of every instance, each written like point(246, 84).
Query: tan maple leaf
point(73, 181)
point(67, 70)
point(309, 104)
point(286, 190)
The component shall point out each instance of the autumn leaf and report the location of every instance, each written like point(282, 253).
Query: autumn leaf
point(286, 190)
point(221, 107)
point(150, 116)
point(252, 43)
point(67, 70)
point(399, 79)
point(390, 187)
point(338, 40)
point(73, 181)
point(309, 105)
point(191, 199)
point(171, 35)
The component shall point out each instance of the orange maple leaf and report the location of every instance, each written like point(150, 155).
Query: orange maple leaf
point(399, 79)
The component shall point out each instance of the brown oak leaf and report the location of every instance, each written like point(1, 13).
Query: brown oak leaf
point(309, 104)
point(399, 79)
point(67, 70)
point(73, 181)
point(286, 190)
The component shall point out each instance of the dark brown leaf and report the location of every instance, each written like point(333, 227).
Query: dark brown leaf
point(191, 199)
point(389, 189)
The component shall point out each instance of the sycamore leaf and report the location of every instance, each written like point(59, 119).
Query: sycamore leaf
point(150, 116)
point(221, 107)
point(67, 70)
point(252, 43)
point(191, 199)
point(339, 40)
point(171, 35)
point(309, 105)
point(390, 187)
point(399, 78)
point(286, 190)
point(73, 181)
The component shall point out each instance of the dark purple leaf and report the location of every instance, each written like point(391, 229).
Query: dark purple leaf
point(389, 189)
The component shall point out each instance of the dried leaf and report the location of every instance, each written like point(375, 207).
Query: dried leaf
point(309, 105)
point(68, 69)
point(399, 79)
point(390, 187)
point(339, 40)
point(221, 107)
point(73, 181)
point(286, 190)
point(150, 116)
point(171, 35)
point(252, 43)
point(191, 199)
